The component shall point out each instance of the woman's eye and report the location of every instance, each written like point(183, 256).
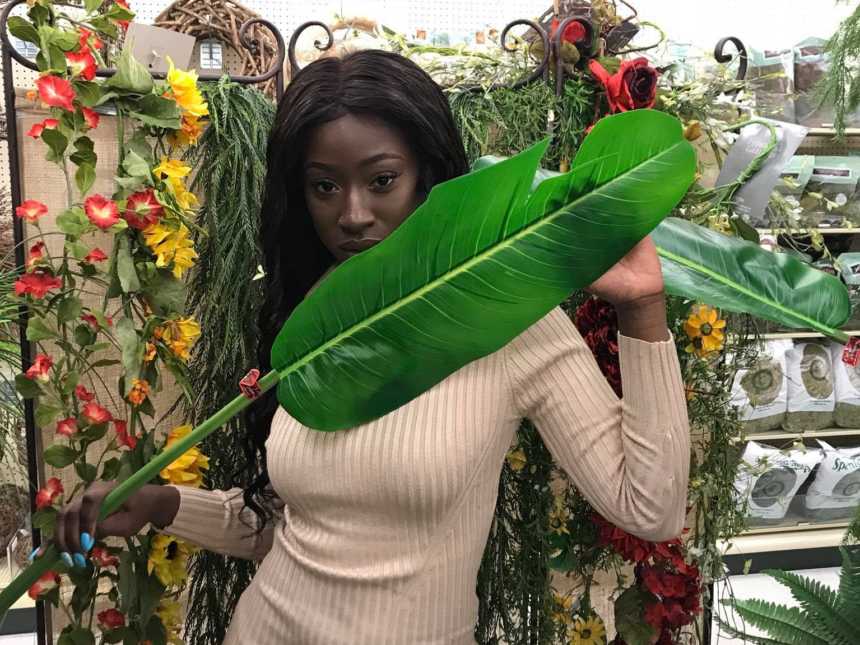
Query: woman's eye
point(325, 187)
point(384, 181)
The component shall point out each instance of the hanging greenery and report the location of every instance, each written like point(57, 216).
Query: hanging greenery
point(841, 86)
point(231, 165)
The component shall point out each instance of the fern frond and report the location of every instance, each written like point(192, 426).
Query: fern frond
point(789, 625)
point(819, 602)
point(848, 598)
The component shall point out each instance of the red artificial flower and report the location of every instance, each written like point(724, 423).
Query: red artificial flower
point(630, 547)
point(46, 496)
point(101, 211)
point(89, 39)
point(633, 87)
point(597, 322)
point(45, 583)
point(96, 414)
point(124, 5)
point(125, 439)
point(56, 92)
point(103, 558)
point(654, 615)
point(96, 255)
point(36, 284)
point(142, 209)
point(82, 64)
point(31, 210)
point(38, 371)
point(663, 583)
point(37, 253)
point(574, 33)
point(91, 117)
point(67, 427)
point(111, 618)
point(91, 320)
point(38, 128)
point(84, 394)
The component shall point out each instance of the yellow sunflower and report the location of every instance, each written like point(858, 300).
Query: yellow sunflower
point(168, 558)
point(559, 516)
point(587, 632)
point(516, 459)
point(188, 133)
point(180, 335)
point(171, 246)
point(171, 169)
point(185, 91)
point(705, 329)
point(170, 613)
point(562, 609)
point(188, 469)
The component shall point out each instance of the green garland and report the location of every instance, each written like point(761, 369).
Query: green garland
point(231, 166)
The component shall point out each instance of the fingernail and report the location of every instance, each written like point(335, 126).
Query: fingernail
point(80, 561)
point(33, 554)
point(66, 558)
point(86, 542)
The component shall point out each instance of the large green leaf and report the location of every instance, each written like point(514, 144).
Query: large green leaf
point(789, 625)
point(740, 276)
point(479, 261)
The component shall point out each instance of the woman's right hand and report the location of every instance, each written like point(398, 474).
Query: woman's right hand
point(78, 527)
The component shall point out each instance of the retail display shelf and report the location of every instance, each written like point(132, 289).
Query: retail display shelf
point(803, 231)
point(809, 434)
point(801, 334)
point(830, 132)
point(763, 540)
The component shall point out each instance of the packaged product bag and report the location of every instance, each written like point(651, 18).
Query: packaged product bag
point(811, 402)
point(834, 492)
point(830, 199)
point(846, 385)
point(796, 175)
point(771, 77)
point(848, 265)
point(768, 479)
point(760, 393)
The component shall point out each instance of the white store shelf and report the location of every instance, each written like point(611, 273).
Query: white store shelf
point(810, 434)
point(770, 539)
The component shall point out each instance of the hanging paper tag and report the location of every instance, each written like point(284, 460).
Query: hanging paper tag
point(851, 353)
point(248, 384)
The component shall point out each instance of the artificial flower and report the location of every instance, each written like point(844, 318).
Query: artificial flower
point(91, 320)
point(630, 547)
point(82, 64)
point(67, 427)
point(170, 613)
point(45, 583)
point(36, 255)
point(562, 609)
point(139, 391)
point(56, 92)
point(36, 284)
point(96, 255)
point(168, 558)
point(149, 352)
point(111, 618)
point(187, 469)
point(89, 39)
point(83, 394)
point(101, 211)
point(184, 197)
point(632, 87)
point(142, 209)
point(705, 329)
point(125, 439)
point(559, 516)
point(171, 246)
point(124, 5)
point(574, 33)
point(664, 583)
point(102, 557)
point(188, 133)
point(516, 459)
point(31, 210)
point(597, 322)
point(96, 414)
point(180, 335)
point(38, 128)
point(590, 631)
point(45, 497)
point(693, 130)
point(171, 168)
point(91, 118)
point(38, 371)
point(32, 95)
point(185, 91)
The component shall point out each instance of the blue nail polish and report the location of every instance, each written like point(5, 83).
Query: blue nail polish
point(66, 558)
point(33, 554)
point(86, 542)
point(80, 561)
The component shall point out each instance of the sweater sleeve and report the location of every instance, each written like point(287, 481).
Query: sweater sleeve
point(216, 521)
point(630, 457)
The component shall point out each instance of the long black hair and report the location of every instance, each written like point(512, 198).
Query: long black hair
point(368, 82)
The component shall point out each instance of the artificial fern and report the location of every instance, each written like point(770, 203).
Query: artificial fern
point(841, 85)
point(824, 617)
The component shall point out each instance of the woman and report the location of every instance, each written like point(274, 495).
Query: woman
point(378, 531)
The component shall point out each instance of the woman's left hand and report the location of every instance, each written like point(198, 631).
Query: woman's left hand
point(637, 277)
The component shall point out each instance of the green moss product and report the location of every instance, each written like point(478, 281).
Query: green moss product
point(811, 402)
point(834, 492)
point(760, 393)
point(846, 384)
point(796, 175)
point(771, 77)
point(768, 479)
point(830, 199)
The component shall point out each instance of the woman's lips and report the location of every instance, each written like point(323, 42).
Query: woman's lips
point(356, 246)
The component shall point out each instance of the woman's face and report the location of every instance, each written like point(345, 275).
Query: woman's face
point(360, 183)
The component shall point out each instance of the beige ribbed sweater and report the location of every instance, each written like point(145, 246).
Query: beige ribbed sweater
point(384, 524)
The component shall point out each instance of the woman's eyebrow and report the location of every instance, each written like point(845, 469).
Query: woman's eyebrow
point(382, 156)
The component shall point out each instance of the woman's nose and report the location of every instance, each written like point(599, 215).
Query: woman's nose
point(356, 216)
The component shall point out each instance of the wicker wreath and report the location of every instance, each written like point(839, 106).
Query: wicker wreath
point(222, 20)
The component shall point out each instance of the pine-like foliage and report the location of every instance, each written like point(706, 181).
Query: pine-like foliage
point(824, 616)
point(231, 166)
point(841, 86)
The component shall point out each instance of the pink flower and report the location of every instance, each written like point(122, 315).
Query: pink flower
point(91, 320)
point(56, 92)
point(45, 497)
point(38, 128)
point(83, 394)
point(38, 371)
point(37, 253)
point(101, 211)
point(31, 210)
point(82, 64)
point(89, 39)
point(124, 5)
point(36, 284)
point(67, 427)
point(123, 437)
point(103, 558)
point(142, 209)
point(46, 582)
point(96, 255)
point(96, 414)
point(91, 117)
